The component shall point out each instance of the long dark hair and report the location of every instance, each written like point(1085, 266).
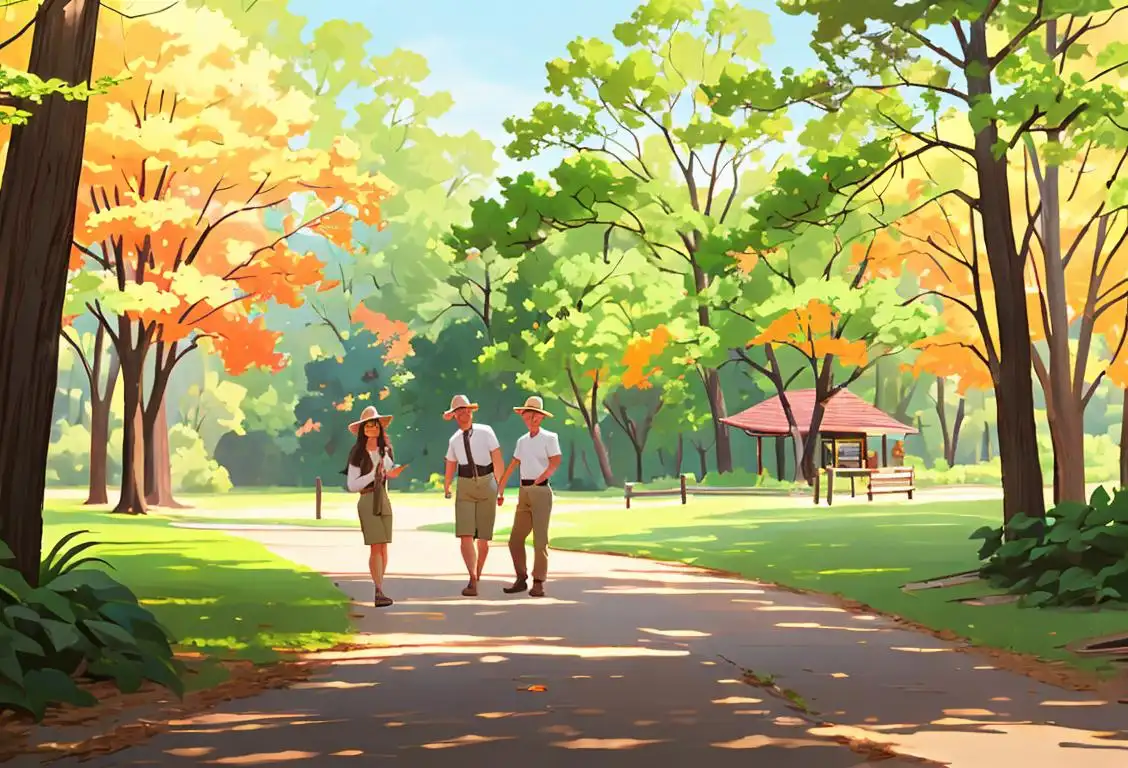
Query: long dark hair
point(358, 454)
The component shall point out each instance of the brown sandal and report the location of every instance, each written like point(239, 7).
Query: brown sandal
point(538, 589)
point(471, 589)
point(520, 585)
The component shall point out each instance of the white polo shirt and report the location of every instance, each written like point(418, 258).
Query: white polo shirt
point(482, 442)
point(534, 452)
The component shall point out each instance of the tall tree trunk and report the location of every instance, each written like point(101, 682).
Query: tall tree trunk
point(1068, 428)
point(100, 403)
point(824, 390)
point(590, 415)
point(572, 464)
point(37, 207)
point(717, 408)
point(132, 498)
point(158, 462)
point(942, 415)
point(797, 441)
point(1124, 443)
point(702, 458)
point(1014, 388)
point(679, 455)
point(957, 425)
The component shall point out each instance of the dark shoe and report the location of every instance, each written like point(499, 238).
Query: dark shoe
point(381, 600)
point(520, 585)
point(471, 589)
point(537, 590)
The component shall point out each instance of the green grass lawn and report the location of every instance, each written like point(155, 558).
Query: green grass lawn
point(863, 553)
point(220, 595)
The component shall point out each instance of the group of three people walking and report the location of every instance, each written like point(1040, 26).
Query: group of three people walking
point(474, 456)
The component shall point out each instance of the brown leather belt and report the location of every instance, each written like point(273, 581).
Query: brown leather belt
point(466, 470)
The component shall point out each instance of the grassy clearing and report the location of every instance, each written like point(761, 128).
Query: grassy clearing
point(863, 553)
point(220, 595)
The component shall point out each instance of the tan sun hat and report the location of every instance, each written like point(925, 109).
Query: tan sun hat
point(534, 403)
point(369, 414)
point(456, 402)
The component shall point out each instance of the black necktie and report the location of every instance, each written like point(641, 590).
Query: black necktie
point(469, 454)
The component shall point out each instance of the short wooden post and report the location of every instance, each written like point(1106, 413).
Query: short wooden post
point(683, 487)
point(885, 450)
point(627, 493)
point(317, 497)
point(759, 454)
point(818, 475)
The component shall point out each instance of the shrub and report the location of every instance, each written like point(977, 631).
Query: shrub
point(1078, 557)
point(192, 469)
point(78, 623)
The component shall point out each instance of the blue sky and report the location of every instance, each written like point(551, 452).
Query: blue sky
point(490, 54)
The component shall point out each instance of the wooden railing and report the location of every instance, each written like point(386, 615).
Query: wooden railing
point(684, 491)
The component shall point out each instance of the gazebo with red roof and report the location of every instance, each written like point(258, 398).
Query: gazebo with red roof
point(847, 421)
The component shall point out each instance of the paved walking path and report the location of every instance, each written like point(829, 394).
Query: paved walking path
point(626, 663)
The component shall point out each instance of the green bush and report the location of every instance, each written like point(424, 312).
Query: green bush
point(79, 623)
point(193, 470)
point(1078, 556)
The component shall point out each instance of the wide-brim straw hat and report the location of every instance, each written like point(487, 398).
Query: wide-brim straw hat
point(456, 402)
point(369, 414)
point(534, 404)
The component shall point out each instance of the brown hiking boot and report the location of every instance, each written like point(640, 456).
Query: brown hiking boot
point(471, 589)
point(520, 585)
point(538, 589)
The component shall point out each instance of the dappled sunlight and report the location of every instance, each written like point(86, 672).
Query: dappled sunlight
point(964, 743)
point(670, 591)
point(860, 571)
point(458, 602)
point(905, 649)
point(584, 652)
point(265, 758)
point(759, 742)
point(613, 744)
point(815, 625)
point(469, 739)
point(801, 608)
point(675, 632)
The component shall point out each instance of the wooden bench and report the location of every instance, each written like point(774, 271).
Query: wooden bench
point(892, 480)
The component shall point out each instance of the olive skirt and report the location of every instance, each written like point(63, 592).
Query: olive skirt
point(375, 512)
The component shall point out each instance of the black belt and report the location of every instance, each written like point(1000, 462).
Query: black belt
point(466, 470)
point(534, 482)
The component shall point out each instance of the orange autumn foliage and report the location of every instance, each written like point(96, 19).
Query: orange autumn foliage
point(640, 351)
point(182, 161)
point(811, 331)
point(392, 334)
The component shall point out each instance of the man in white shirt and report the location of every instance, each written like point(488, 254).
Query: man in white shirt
point(475, 454)
point(538, 455)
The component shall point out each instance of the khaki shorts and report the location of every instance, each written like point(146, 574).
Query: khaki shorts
point(375, 512)
point(475, 507)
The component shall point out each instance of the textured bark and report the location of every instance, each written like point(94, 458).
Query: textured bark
point(37, 207)
point(158, 462)
point(100, 434)
point(1124, 443)
point(1014, 388)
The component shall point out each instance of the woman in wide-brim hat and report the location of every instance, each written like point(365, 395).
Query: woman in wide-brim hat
point(370, 467)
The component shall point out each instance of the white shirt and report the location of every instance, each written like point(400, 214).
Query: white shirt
point(483, 441)
point(534, 451)
point(356, 482)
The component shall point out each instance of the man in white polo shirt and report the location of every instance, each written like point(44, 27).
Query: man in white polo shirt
point(475, 454)
point(538, 455)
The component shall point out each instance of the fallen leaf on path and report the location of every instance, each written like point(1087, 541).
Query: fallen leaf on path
point(534, 688)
